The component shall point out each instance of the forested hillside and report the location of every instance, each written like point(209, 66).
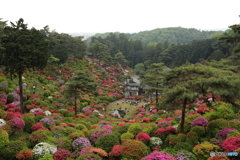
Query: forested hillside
point(173, 35)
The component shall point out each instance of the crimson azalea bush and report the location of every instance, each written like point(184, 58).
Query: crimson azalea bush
point(116, 151)
point(61, 154)
point(144, 137)
point(133, 149)
point(231, 143)
point(38, 126)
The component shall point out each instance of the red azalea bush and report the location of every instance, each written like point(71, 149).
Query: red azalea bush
point(61, 154)
point(116, 151)
point(144, 137)
point(38, 126)
point(25, 154)
point(231, 143)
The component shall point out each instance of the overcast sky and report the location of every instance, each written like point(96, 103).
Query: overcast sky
point(67, 16)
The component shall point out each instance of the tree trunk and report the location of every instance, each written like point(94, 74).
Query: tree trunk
point(21, 91)
point(156, 92)
point(183, 115)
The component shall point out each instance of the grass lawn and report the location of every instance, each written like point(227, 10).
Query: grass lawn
point(132, 108)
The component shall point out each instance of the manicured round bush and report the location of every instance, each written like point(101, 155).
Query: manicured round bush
point(89, 156)
point(38, 126)
point(183, 145)
point(233, 133)
point(158, 155)
point(231, 143)
point(12, 148)
point(192, 138)
point(144, 137)
point(98, 133)
point(47, 122)
point(184, 154)
point(61, 154)
point(215, 125)
point(17, 124)
point(116, 151)
point(155, 142)
point(76, 135)
point(107, 141)
point(202, 150)
point(29, 122)
point(218, 158)
point(25, 154)
point(199, 121)
point(39, 136)
point(135, 128)
point(127, 135)
point(199, 130)
point(42, 148)
point(3, 139)
point(222, 134)
point(123, 129)
point(80, 143)
point(133, 149)
point(164, 123)
point(63, 143)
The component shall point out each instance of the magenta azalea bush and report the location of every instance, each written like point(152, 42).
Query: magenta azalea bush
point(17, 124)
point(222, 134)
point(95, 135)
point(199, 121)
point(47, 122)
point(159, 155)
point(61, 154)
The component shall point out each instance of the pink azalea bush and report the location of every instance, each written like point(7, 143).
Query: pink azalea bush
point(17, 124)
point(231, 143)
point(199, 121)
point(159, 155)
point(61, 154)
point(95, 135)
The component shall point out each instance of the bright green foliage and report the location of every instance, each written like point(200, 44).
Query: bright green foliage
point(29, 122)
point(127, 136)
point(215, 125)
point(107, 141)
point(199, 130)
point(3, 139)
point(135, 128)
point(46, 156)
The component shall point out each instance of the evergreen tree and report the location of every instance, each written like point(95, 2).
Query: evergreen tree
point(24, 48)
point(82, 81)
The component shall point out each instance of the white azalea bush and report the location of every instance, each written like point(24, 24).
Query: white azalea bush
point(43, 148)
point(47, 113)
point(35, 109)
point(155, 142)
point(2, 122)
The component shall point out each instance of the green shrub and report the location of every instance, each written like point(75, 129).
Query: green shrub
point(122, 129)
point(39, 136)
point(38, 118)
point(183, 145)
point(192, 138)
point(76, 135)
point(4, 139)
point(135, 128)
point(89, 156)
point(133, 149)
point(199, 130)
point(47, 156)
point(12, 148)
point(215, 125)
point(127, 135)
point(202, 150)
point(29, 122)
point(10, 98)
point(233, 133)
point(107, 141)
point(64, 143)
